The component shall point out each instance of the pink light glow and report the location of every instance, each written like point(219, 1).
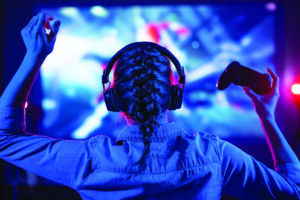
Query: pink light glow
point(271, 6)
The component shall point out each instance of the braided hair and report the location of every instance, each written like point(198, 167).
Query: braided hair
point(142, 80)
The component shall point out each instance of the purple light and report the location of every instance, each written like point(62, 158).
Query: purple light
point(271, 6)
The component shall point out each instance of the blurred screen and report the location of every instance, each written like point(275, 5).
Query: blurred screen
point(205, 38)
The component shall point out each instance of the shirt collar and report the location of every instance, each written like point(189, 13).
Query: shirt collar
point(164, 132)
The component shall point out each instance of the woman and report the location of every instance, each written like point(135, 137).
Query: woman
point(152, 158)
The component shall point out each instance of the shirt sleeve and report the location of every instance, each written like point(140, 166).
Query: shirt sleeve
point(63, 161)
point(246, 178)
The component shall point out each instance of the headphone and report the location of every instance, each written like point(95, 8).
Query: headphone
point(176, 93)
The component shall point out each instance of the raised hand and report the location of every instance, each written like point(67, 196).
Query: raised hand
point(39, 44)
point(37, 41)
point(265, 104)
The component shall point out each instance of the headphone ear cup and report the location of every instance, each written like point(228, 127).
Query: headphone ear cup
point(175, 99)
point(111, 100)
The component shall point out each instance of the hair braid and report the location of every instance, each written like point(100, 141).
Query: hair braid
point(142, 79)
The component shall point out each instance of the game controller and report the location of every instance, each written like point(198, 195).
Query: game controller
point(244, 76)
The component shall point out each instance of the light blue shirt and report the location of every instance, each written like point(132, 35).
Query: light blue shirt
point(180, 165)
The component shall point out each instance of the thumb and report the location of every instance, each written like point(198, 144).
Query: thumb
point(250, 93)
point(54, 30)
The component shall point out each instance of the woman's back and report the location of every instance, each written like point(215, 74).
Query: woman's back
point(179, 166)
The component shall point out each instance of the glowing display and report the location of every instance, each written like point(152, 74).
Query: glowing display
point(205, 39)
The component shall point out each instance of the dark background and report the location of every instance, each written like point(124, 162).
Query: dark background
point(16, 14)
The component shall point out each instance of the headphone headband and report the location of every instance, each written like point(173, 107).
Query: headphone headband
point(163, 51)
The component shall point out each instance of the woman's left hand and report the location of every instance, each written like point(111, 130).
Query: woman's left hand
point(265, 104)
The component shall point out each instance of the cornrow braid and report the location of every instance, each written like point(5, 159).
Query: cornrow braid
point(142, 79)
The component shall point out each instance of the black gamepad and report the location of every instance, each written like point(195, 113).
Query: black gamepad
point(244, 76)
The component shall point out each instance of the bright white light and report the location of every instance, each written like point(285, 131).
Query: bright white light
point(69, 11)
point(99, 11)
point(91, 123)
point(174, 26)
point(143, 35)
point(296, 88)
point(201, 72)
point(230, 46)
point(139, 21)
point(48, 104)
point(85, 72)
point(246, 41)
point(183, 111)
point(70, 92)
point(263, 52)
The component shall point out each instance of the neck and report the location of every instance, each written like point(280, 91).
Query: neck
point(162, 118)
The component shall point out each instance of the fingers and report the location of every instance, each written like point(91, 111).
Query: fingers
point(40, 25)
point(56, 26)
point(272, 73)
point(275, 85)
point(37, 21)
point(32, 23)
point(39, 35)
point(41, 21)
point(29, 27)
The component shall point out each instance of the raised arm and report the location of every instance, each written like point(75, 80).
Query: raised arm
point(39, 45)
point(246, 178)
point(44, 156)
point(265, 106)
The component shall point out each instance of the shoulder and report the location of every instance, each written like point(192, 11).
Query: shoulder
point(205, 144)
point(201, 137)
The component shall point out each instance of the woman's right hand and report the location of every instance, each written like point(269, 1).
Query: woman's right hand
point(37, 41)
